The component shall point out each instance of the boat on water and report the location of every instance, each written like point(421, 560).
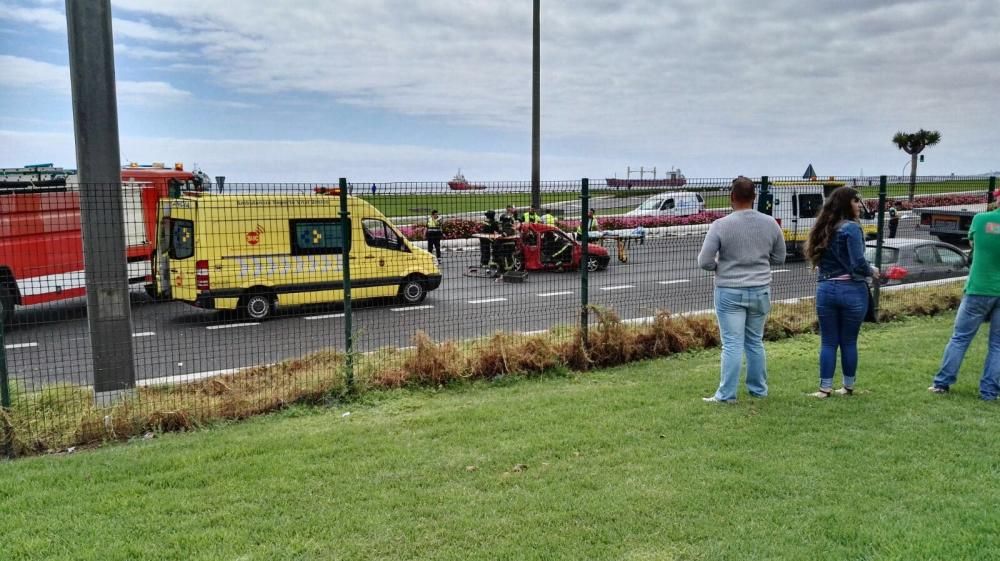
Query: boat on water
point(459, 183)
point(673, 179)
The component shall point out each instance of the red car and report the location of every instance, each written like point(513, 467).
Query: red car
point(541, 247)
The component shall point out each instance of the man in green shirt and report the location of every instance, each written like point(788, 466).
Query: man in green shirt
point(980, 303)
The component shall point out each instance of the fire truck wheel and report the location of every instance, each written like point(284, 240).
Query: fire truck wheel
point(412, 291)
point(6, 306)
point(257, 306)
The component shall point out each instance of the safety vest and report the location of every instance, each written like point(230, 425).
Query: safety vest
point(594, 227)
point(547, 218)
point(433, 223)
point(531, 218)
point(892, 212)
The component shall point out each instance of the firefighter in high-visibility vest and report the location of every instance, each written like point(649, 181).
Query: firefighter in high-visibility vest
point(434, 234)
point(532, 217)
point(548, 218)
point(593, 226)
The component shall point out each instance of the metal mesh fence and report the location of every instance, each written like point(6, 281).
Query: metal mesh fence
point(240, 290)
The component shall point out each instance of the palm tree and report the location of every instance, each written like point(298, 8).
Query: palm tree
point(913, 144)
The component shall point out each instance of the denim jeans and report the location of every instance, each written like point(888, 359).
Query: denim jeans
point(971, 314)
point(841, 307)
point(741, 313)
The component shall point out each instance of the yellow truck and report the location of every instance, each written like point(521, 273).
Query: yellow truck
point(253, 253)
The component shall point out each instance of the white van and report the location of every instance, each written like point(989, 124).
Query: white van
point(795, 207)
point(679, 203)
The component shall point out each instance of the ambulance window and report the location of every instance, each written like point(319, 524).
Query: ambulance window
point(809, 205)
point(181, 239)
point(379, 234)
point(317, 237)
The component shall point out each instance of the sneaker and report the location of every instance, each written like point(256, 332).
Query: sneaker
point(821, 394)
point(938, 389)
point(714, 399)
point(844, 391)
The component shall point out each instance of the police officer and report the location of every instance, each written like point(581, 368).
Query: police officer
point(489, 226)
point(592, 228)
point(434, 234)
point(532, 217)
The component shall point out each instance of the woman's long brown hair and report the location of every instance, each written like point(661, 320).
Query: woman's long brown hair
point(836, 209)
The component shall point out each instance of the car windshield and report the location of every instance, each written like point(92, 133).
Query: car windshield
point(889, 255)
point(651, 204)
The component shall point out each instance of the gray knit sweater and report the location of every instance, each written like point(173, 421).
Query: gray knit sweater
point(741, 248)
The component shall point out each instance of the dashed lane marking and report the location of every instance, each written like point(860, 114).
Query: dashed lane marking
point(144, 334)
point(20, 346)
point(411, 308)
point(619, 287)
point(548, 294)
point(780, 270)
point(324, 316)
point(487, 300)
point(231, 325)
point(677, 281)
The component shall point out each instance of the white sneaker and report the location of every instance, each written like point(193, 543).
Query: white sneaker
point(714, 399)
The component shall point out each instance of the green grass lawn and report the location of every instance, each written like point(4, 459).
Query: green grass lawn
point(625, 463)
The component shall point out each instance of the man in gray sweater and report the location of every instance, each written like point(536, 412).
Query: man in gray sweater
point(741, 248)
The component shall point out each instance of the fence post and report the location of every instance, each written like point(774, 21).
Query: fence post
point(4, 383)
point(345, 234)
point(991, 194)
point(584, 257)
point(764, 200)
point(879, 237)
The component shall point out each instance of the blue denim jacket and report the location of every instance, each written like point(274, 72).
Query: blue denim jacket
point(845, 254)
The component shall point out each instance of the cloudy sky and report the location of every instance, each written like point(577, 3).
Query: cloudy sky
point(383, 90)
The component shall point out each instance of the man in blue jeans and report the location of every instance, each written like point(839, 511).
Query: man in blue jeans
point(741, 248)
point(980, 303)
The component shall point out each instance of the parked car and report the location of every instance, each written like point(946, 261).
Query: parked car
point(679, 203)
point(906, 260)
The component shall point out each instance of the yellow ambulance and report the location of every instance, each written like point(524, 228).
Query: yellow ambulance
point(253, 253)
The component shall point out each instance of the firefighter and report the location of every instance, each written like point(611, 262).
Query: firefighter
point(434, 234)
point(489, 226)
point(507, 220)
point(548, 218)
point(556, 249)
point(593, 226)
point(532, 217)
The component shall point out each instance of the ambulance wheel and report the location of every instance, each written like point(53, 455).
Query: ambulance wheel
point(412, 291)
point(257, 306)
point(593, 264)
point(6, 306)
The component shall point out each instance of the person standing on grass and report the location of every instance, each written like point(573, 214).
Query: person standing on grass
point(836, 246)
point(434, 234)
point(980, 303)
point(741, 248)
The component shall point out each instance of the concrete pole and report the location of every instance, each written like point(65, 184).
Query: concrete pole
point(95, 120)
point(536, 110)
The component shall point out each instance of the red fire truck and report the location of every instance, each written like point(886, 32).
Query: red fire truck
point(41, 247)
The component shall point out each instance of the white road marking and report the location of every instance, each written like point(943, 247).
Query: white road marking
point(547, 294)
point(411, 308)
point(539, 332)
point(678, 281)
point(230, 325)
point(193, 377)
point(619, 287)
point(20, 345)
point(487, 300)
point(780, 270)
point(324, 316)
point(144, 334)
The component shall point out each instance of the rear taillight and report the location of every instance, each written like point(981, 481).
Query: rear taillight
point(896, 273)
point(201, 275)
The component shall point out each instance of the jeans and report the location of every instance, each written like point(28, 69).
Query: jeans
point(841, 307)
point(971, 314)
point(434, 242)
point(741, 313)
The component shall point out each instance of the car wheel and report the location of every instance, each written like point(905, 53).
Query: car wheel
point(257, 306)
point(412, 291)
point(593, 264)
point(6, 306)
point(518, 262)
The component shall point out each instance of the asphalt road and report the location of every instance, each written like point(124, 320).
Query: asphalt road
point(49, 344)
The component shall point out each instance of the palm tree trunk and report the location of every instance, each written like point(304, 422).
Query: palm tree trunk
point(913, 175)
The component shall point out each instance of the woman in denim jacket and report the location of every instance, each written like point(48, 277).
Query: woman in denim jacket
point(836, 247)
